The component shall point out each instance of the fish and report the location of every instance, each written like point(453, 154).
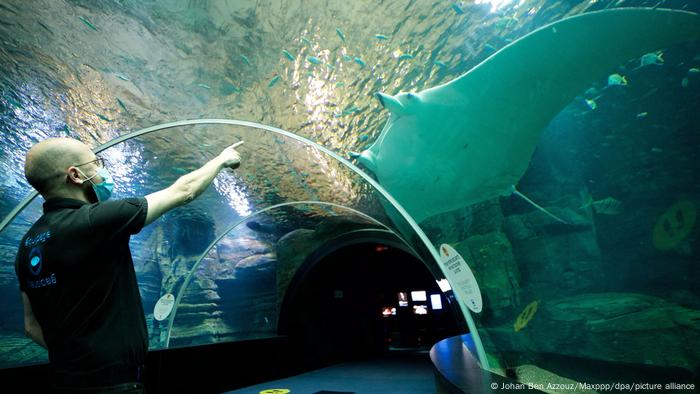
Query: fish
point(617, 79)
point(204, 86)
point(656, 150)
point(694, 70)
point(121, 76)
point(606, 206)
point(121, 104)
point(347, 58)
point(245, 59)
point(106, 119)
point(340, 34)
point(288, 55)
point(273, 81)
point(348, 111)
point(406, 56)
point(262, 227)
point(651, 58)
point(381, 37)
point(306, 41)
point(440, 63)
point(87, 23)
point(351, 110)
point(45, 27)
point(642, 114)
point(339, 84)
point(14, 102)
point(313, 60)
point(8, 8)
point(363, 137)
point(499, 111)
point(360, 62)
point(591, 92)
point(685, 82)
point(506, 22)
point(591, 104)
point(228, 88)
point(457, 8)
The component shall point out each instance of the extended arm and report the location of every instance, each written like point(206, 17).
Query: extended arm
point(190, 186)
point(32, 329)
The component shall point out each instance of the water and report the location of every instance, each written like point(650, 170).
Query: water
point(606, 291)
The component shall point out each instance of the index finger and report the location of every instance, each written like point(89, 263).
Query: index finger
point(237, 144)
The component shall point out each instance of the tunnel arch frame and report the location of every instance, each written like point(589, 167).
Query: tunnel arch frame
point(395, 204)
point(347, 239)
point(203, 255)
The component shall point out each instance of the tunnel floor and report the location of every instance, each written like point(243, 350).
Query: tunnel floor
point(400, 371)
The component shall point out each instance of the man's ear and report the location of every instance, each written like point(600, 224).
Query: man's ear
point(74, 176)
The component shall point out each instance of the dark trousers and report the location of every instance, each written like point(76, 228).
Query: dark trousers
point(102, 382)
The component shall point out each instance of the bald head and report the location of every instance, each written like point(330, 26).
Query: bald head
point(49, 159)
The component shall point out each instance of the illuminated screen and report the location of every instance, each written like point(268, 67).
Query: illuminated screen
point(418, 296)
point(420, 309)
point(403, 299)
point(444, 285)
point(436, 301)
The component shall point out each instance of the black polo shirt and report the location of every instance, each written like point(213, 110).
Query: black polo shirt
point(75, 266)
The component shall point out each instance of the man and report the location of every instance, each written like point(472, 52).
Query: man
point(77, 281)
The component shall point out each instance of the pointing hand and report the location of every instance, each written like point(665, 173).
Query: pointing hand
point(230, 157)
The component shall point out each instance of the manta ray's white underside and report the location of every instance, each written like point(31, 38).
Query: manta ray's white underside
point(472, 139)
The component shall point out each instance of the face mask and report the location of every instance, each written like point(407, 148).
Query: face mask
point(102, 190)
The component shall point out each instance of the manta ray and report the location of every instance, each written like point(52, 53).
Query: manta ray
point(471, 139)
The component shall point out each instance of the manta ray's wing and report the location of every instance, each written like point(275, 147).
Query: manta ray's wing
point(478, 132)
point(518, 90)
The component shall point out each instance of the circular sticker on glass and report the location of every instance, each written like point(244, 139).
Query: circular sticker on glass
point(163, 307)
point(461, 278)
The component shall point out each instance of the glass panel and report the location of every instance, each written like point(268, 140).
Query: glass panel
point(235, 290)
point(614, 291)
point(610, 296)
point(15, 347)
point(204, 247)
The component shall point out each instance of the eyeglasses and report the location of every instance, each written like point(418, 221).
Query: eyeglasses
point(98, 160)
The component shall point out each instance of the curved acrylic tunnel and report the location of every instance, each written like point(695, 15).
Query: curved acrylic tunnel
point(611, 295)
point(228, 257)
point(253, 269)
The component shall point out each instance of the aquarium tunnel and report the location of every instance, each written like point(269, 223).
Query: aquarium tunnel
point(433, 196)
